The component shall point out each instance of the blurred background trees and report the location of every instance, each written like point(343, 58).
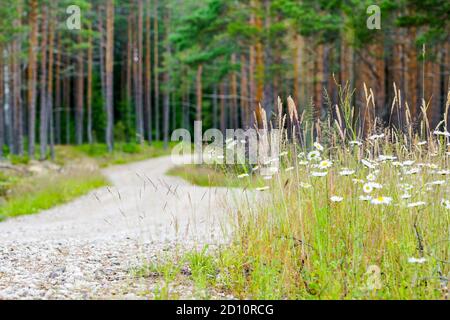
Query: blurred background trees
point(138, 69)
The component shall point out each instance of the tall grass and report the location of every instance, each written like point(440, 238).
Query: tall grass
point(376, 225)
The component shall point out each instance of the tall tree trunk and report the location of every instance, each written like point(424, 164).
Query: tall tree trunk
point(148, 74)
point(215, 104)
point(318, 90)
point(156, 69)
point(198, 113)
point(16, 87)
point(234, 94)
point(102, 48)
point(245, 116)
point(58, 91)
point(32, 76)
point(79, 108)
point(166, 106)
point(67, 101)
point(49, 99)
point(138, 74)
point(2, 104)
point(222, 108)
point(129, 74)
point(43, 136)
point(89, 87)
point(109, 72)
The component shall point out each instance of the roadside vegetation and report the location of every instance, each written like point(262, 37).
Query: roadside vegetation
point(29, 186)
point(342, 217)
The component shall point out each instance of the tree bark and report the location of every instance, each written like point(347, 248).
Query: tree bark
point(50, 84)
point(156, 70)
point(43, 129)
point(16, 88)
point(79, 109)
point(109, 73)
point(89, 87)
point(198, 113)
point(148, 74)
point(2, 104)
point(58, 91)
point(32, 76)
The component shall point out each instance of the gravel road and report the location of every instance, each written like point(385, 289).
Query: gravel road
point(85, 249)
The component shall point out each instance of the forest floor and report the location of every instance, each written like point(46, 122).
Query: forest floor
point(88, 248)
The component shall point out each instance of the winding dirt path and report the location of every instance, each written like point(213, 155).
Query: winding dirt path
point(85, 249)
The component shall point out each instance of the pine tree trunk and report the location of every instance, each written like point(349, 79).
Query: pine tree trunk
point(89, 88)
point(67, 101)
point(102, 48)
point(318, 89)
point(156, 70)
point(234, 94)
point(222, 108)
point(129, 75)
point(79, 109)
point(2, 104)
point(43, 129)
point(138, 75)
point(49, 99)
point(58, 91)
point(32, 76)
point(148, 74)
point(166, 104)
point(198, 113)
point(16, 88)
point(215, 104)
point(109, 72)
point(245, 117)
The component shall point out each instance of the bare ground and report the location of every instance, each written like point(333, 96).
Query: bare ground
point(85, 249)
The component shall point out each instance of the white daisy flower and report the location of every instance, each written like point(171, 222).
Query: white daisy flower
point(284, 153)
point(381, 200)
point(355, 143)
point(367, 188)
point(263, 188)
point(242, 175)
point(405, 196)
point(301, 155)
point(416, 204)
point(336, 199)
point(406, 186)
point(376, 136)
point(303, 163)
point(442, 172)
point(371, 177)
point(355, 181)
point(313, 155)
point(368, 164)
point(325, 164)
point(435, 183)
point(289, 169)
point(255, 168)
point(365, 198)
point(375, 185)
point(386, 157)
point(408, 163)
point(346, 172)
point(445, 203)
point(318, 146)
point(422, 143)
point(319, 173)
point(417, 260)
point(441, 133)
point(412, 171)
point(267, 178)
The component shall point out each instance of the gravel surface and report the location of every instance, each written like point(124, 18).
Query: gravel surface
point(85, 249)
